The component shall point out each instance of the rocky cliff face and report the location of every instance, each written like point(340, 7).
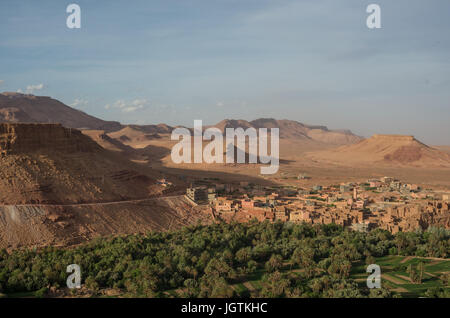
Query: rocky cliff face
point(26, 138)
point(392, 138)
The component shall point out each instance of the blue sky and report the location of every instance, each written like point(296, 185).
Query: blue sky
point(176, 61)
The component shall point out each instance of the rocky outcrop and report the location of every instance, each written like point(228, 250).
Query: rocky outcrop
point(26, 138)
point(392, 138)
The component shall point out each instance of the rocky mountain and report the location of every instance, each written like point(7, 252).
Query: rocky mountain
point(26, 108)
point(290, 129)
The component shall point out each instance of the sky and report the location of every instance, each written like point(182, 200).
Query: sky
point(173, 61)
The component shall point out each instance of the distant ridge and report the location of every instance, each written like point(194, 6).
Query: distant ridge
point(26, 108)
point(386, 149)
point(291, 129)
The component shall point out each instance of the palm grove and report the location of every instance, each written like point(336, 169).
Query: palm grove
point(289, 260)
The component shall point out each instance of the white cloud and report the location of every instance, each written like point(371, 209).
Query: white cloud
point(220, 104)
point(131, 108)
point(1, 82)
point(128, 106)
point(78, 102)
point(31, 88)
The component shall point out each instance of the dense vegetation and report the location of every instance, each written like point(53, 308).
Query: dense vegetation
point(203, 261)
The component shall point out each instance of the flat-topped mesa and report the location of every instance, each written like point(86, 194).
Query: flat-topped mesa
point(395, 137)
point(18, 138)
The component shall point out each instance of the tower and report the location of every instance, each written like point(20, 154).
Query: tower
point(355, 195)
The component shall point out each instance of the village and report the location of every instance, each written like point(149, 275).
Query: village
point(384, 203)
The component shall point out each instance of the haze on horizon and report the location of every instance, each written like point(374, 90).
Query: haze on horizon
point(175, 61)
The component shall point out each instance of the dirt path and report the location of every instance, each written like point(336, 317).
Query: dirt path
point(405, 278)
point(392, 279)
point(407, 258)
point(94, 203)
point(400, 290)
point(249, 286)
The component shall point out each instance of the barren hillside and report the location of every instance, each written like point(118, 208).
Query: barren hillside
point(47, 163)
point(388, 150)
point(63, 225)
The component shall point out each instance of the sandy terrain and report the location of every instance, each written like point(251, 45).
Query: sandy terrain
point(296, 159)
point(387, 150)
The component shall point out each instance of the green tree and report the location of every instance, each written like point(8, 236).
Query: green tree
point(274, 263)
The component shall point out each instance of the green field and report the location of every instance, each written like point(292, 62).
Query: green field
point(396, 280)
point(390, 274)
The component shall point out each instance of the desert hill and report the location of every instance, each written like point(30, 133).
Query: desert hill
point(153, 129)
point(25, 108)
point(138, 134)
point(443, 148)
point(290, 129)
point(105, 141)
point(296, 139)
point(387, 150)
point(47, 163)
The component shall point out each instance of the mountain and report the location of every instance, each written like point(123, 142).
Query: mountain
point(388, 150)
point(290, 129)
point(48, 163)
point(231, 123)
point(134, 134)
point(25, 108)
